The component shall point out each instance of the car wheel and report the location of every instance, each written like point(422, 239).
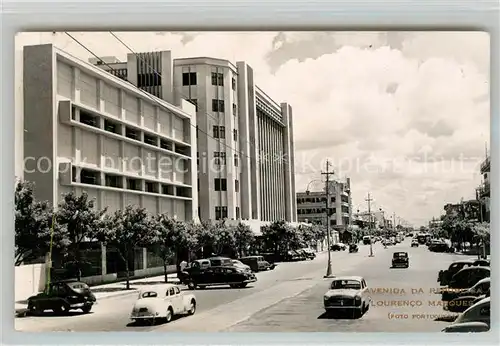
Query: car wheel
point(192, 307)
point(202, 287)
point(34, 309)
point(170, 314)
point(86, 309)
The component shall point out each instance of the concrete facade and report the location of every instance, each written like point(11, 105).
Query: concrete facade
point(311, 205)
point(244, 139)
point(86, 130)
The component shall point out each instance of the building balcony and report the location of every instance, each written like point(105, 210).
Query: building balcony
point(485, 165)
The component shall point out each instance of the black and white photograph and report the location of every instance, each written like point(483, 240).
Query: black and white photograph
point(252, 181)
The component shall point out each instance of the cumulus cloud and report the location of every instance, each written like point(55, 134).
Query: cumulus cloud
point(404, 114)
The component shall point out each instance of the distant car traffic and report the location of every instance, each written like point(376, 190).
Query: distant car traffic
point(353, 248)
point(400, 259)
point(308, 253)
point(216, 276)
point(474, 319)
point(367, 240)
point(414, 243)
point(338, 247)
point(162, 302)
point(347, 293)
point(63, 296)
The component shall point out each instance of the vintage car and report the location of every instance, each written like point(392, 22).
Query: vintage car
point(63, 296)
point(464, 279)
point(444, 276)
point(220, 261)
point(308, 253)
point(162, 302)
point(338, 247)
point(474, 319)
point(367, 240)
point(347, 293)
point(353, 248)
point(240, 265)
point(480, 288)
point(217, 276)
point(461, 303)
point(414, 243)
point(257, 263)
point(400, 259)
point(481, 263)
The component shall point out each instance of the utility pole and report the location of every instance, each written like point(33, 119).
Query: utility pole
point(369, 199)
point(327, 173)
point(394, 222)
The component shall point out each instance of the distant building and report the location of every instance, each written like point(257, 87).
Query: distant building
point(483, 192)
point(467, 210)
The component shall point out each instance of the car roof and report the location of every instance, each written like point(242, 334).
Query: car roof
point(357, 278)
point(464, 261)
point(219, 258)
point(474, 268)
point(157, 288)
point(482, 281)
point(483, 301)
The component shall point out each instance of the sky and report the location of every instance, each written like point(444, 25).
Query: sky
point(404, 115)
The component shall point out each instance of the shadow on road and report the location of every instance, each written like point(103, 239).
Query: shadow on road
point(55, 315)
point(156, 322)
point(349, 315)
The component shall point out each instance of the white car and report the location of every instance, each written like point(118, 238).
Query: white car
point(240, 265)
point(347, 293)
point(162, 302)
point(474, 319)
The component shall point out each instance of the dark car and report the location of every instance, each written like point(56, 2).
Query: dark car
point(63, 296)
point(481, 263)
point(464, 279)
point(353, 248)
point(400, 259)
point(466, 298)
point(219, 261)
point(256, 263)
point(444, 276)
point(338, 247)
point(216, 276)
point(414, 243)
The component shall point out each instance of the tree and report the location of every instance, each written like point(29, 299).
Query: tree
point(205, 235)
point(224, 239)
point(281, 237)
point(243, 237)
point(171, 238)
point(33, 225)
point(79, 221)
point(125, 230)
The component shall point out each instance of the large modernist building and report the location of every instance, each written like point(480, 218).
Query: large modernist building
point(87, 130)
point(245, 149)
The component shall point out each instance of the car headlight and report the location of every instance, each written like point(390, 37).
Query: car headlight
point(325, 298)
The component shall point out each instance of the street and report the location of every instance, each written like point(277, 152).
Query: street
point(288, 299)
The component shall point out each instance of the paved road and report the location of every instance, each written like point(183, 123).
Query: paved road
point(392, 292)
point(113, 314)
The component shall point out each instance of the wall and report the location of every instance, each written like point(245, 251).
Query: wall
point(29, 280)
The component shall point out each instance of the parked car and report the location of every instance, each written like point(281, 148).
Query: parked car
point(400, 259)
point(257, 263)
point(63, 296)
point(474, 319)
point(414, 243)
point(480, 288)
point(444, 276)
point(219, 261)
point(463, 302)
point(216, 276)
point(347, 293)
point(238, 264)
point(308, 253)
point(353, 248)
point(464, 279)
point(481, 263)
point(338, 247)
point(162, 302)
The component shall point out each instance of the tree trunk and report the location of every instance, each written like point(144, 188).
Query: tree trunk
point(127, 274)
point(165, 270)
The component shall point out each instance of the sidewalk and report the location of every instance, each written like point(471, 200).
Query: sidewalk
point(113, 290)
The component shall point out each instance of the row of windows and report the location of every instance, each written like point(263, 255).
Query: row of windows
point(315, 211)
point(220, 132)
point(190, 78)
point(219, 158)
point(314, 200)
point(217, 105)
point(221, 213)
point(221, 184)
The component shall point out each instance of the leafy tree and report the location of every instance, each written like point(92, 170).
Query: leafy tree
point(79, 221)
point(224, 240)
point(205, 235)
point(33, 225)
point(244, 238)
point(171, 237)
point(125, 230)
point(281, 237)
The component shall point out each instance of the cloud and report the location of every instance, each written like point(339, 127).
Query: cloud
point(404, 114)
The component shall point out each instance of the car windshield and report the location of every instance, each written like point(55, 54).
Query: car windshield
point(149, 294)
point(346, 285)
point(78, 285)
point(400, 254)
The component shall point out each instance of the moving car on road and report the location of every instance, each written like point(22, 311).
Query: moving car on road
point(474, 319)
point(162, 302)
point(347, 293)
point(400, 259)
point(257, 263)
point(353, 248)
point(367, 240)
point(444, 276)
point(216, 276)
point(63, 296)
point(414, 243)
point(338, 247)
